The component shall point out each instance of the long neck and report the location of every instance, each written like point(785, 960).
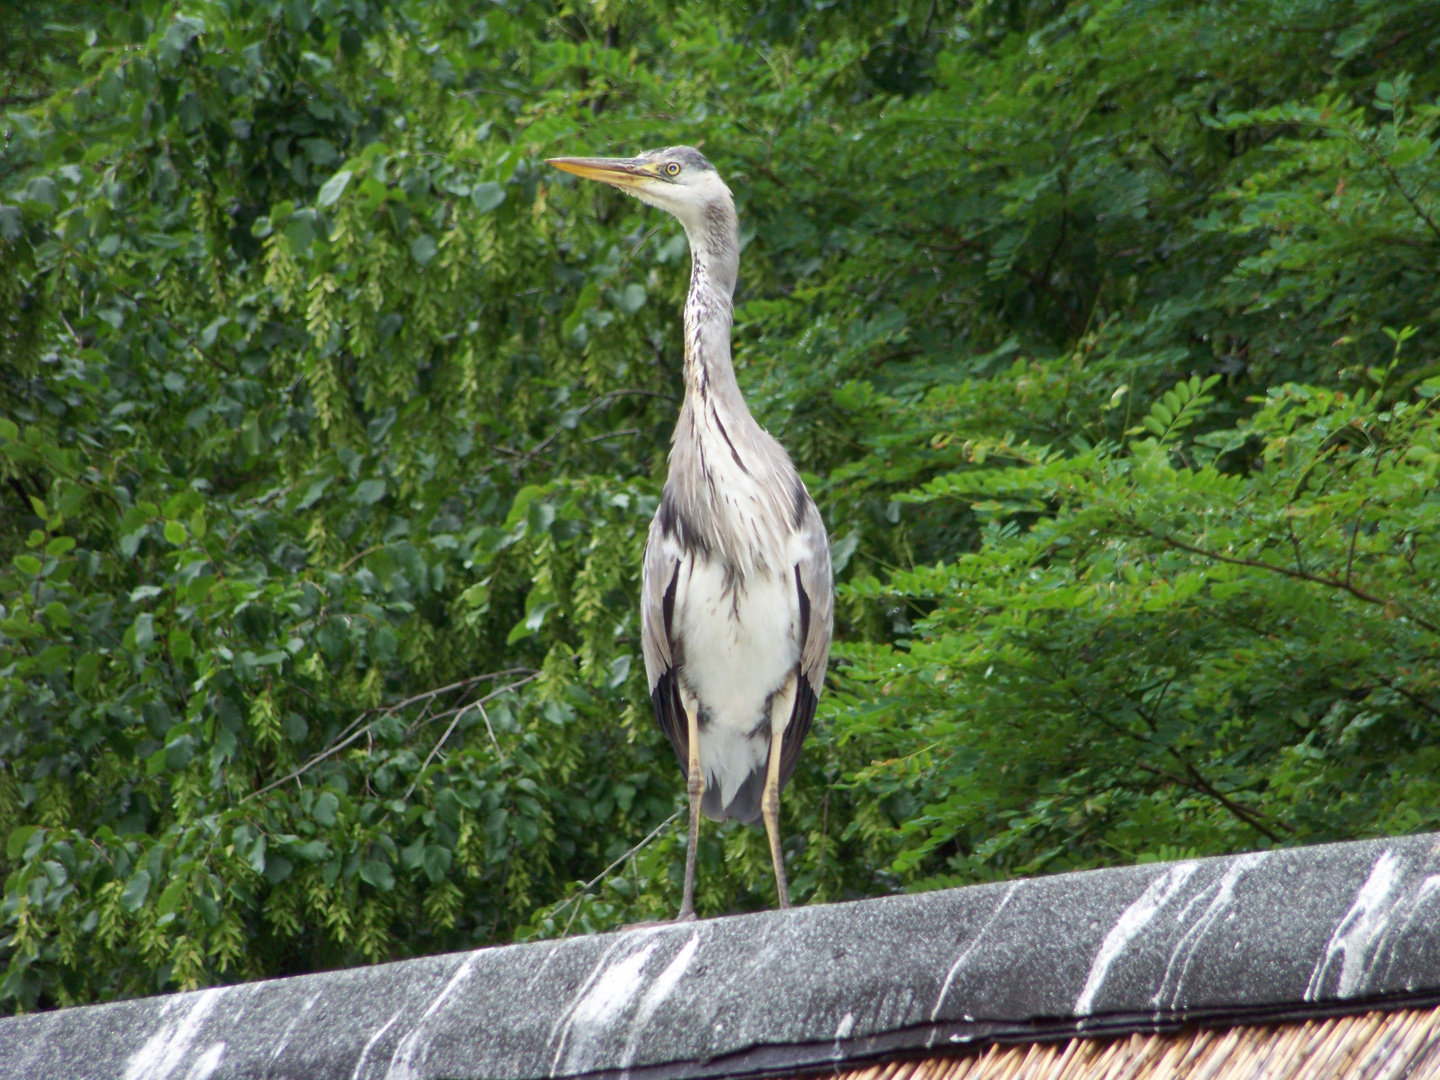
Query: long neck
point(715, 260)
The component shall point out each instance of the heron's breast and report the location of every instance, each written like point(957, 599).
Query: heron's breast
point(739, 640)
point(743, 503)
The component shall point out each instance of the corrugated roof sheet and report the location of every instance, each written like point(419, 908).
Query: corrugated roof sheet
point(1259, 938)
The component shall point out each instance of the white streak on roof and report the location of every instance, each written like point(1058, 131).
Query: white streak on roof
point(166, 1049)
point(370, 1044)
point(284, 1039)
point(208, 1063)
point(1190, 941)
point(1134, 919)
point(965, 953)
point(608, 996)
point(654, 997)
point(1363, 923)
point(401, 1062)
point(561, 1027)
point(842, 1031)
point(1396, 934)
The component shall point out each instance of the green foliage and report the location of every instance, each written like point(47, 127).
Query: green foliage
point(331, 422)
point(1208, 647)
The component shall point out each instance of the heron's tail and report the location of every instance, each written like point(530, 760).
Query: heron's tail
point(744, 805)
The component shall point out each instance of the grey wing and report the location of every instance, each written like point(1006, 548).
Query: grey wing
point(658, 579)
point(816, 587)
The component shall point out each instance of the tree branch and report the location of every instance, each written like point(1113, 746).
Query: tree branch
point(1314, 579)
point(1197, 782)
point(587, 886)
point(352, 733)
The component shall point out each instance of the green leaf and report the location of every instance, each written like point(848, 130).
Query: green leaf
point(369, 492)
point(384, 644)
point(487, 196)
point(19, 841)
point(319, 152)
point(326, 808)
point(437, 862)
point(333, 188)
point(631, 298)
point(376, 872)
point(132, 899)
point(310, 850)
point(298, 15)
point(181, 644)
point(87, 668)
point(209, 909)
point(170, 897)
point(175, 532)
point(422, 249)
point(255, 857)
point(179, 752)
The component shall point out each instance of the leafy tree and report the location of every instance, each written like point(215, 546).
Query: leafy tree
point(331, 422)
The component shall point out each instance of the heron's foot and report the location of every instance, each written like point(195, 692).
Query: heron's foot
point(687, 914)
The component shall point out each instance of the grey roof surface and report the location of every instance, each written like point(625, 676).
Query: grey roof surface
point(1247, 937)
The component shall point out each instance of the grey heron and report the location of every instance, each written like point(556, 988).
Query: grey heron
point(737, 596)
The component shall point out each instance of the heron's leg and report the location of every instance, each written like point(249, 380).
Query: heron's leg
point(695, 786)
point(770, 808)
point(783, 706)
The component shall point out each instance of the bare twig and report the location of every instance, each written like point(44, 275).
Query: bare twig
point(350, 734)
point(486, 717)
point(457, 714)
point(636, 250)
point(604, 399)
point(355, 558)
point(1295, 543)
point(611, 435)
point(73, 335)
point(603, 873)
point(436, 749)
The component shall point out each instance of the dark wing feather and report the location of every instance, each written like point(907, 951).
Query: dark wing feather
point(814, 584)
point(801, 718)
point(817, 586)
point(660, 577)
point(670, 714)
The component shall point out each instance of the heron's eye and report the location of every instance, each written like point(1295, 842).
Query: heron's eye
point(672, 169)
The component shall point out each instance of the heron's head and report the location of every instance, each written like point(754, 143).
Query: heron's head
point(677, 179)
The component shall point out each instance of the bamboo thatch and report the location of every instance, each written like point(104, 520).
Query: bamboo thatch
point(1369, 1046)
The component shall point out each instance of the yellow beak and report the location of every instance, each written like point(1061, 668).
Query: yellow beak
point(617, 172)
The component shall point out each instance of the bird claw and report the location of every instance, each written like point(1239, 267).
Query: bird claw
point(685, 915)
